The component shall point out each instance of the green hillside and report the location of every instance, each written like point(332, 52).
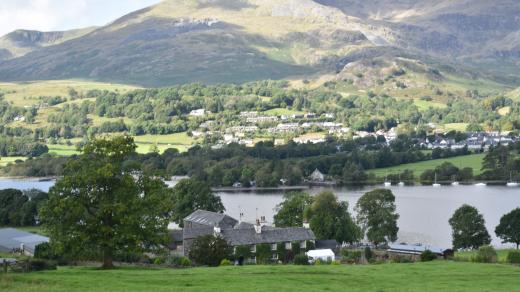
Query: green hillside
point(434, 276)
point(472, 161)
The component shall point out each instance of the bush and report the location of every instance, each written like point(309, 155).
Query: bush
point(178, 261)
point(158, 261)
point(335, 263)
point(369, 255)
point(402, 260)
point(428, 256)
point(225, 263)
point(301, 259)
point(352, 256)
point(513, 257)
point(35, 265)
point(486, 254)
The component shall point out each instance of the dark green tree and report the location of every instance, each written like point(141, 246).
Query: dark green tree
point(330, 219)
point(210, 250)
point(190, 195)
point(290, 212)
point(468, 228)
point(509, 228)
point(98, 208)
point(377, 216)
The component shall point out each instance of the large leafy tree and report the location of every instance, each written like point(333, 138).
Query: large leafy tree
point(190, 195)
point(100, 208)
point(377, 216)
point(330, 219)
point(469, 230)
point(290, 212)
point(19, 208)
point(509, 228)
point(210, 250)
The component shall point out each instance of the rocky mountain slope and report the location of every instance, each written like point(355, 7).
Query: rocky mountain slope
point(180, 41)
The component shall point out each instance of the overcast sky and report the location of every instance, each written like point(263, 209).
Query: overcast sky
point(47, 15)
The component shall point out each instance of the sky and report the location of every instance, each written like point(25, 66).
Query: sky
point(51, 15)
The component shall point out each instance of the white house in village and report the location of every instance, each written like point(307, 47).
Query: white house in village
point(198, 112)
point(317, 176)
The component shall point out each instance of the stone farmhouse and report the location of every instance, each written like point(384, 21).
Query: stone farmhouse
point(201, 223)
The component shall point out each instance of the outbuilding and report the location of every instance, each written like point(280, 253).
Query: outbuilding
point(17, 240)
point(325, 255)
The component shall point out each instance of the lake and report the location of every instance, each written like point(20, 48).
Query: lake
point(424, 210)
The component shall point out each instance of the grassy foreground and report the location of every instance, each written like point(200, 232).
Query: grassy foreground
point(473, 161)
point(434, 276)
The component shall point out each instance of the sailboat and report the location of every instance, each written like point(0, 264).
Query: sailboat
point(387, 182)
point(436, 184)
point(512, 183)
point(454, 183)
point(401, 183)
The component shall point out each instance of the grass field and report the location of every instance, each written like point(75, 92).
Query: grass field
point(62, 150)
point(26, 93)
point(473, 161)
point(180, 141)
point(282, 111)
point(433, 276)
point(6, 160)
point(424, 105)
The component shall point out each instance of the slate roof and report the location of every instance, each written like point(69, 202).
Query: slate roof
point(211, 219)
point(269, 235)
point(327, 244)
point(11, 238)
point(413, 249)
point(242, 233)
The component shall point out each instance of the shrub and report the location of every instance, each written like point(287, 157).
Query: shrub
point(263, 253)
point(402, 260)
point(369, 255)
point(513, 257)
point(158, 261)
point(486, 254)
point(225, 263)
point(301, 260)
point(352, 256)
point(178, 261)
point(335, 263)
point(428, 256)
point(34, 265)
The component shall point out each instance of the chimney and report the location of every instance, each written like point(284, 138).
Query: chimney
point(306, 225)
point(258, 227)
point(216, 231)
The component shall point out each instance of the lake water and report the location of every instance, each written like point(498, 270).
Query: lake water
point(424, 210)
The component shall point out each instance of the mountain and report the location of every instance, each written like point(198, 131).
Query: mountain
point(21, 42)
point(179, 41)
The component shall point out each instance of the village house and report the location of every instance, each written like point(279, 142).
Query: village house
point(236, 233)
point(198, 113)
point(262, 119)
point(317, 176)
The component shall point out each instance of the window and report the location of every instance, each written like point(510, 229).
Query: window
point(288, 245)
point(275, 256)
point(253, 248)
point(273, 246)
point(303, 244)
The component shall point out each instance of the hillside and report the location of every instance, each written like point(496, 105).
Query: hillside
point(21, 42)
point(179, 41)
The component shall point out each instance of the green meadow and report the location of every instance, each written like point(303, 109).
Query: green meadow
point(474, 161)
point(432, 276)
